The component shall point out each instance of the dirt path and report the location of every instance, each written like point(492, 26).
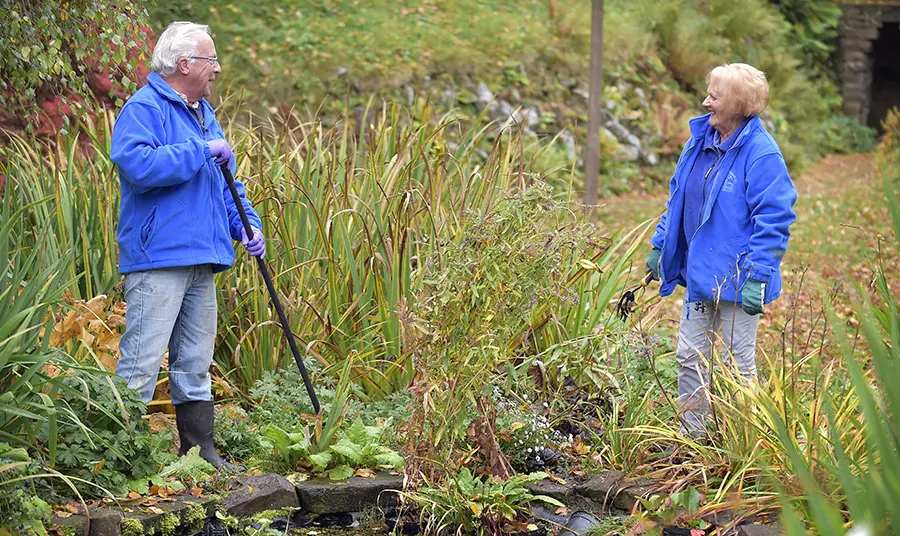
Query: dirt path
point(842, 220)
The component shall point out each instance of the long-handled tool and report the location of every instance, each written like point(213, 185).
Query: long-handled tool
point(629, 298)
point(274, 295)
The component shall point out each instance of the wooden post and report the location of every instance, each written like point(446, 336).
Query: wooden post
point(592, 150)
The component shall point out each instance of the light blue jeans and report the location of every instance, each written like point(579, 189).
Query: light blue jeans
point(701, 323)
point(174, 308)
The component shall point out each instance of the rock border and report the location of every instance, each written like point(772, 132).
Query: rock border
point(606, 493)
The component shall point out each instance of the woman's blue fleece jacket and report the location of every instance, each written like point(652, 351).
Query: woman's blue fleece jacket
point(744, 227)
point(176, 208)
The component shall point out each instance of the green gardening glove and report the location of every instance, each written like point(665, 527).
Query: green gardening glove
point(752, 296)
point(653, 264)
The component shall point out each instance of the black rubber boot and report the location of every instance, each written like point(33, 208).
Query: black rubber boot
point(195, 427)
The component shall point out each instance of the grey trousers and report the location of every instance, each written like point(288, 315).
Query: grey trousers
point(698, 336)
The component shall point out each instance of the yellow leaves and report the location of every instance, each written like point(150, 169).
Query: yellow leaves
point(475, 507)
point(364, 473)
point(92, 327)
point(159, 422)
point(581, 448)
point(99, 466)
point(516, 426)
point(588, 264)
point(556, 479)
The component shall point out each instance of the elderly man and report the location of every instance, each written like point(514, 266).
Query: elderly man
point(176, 225)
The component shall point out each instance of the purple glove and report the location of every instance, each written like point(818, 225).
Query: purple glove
point(220, 150)
point(256, 246)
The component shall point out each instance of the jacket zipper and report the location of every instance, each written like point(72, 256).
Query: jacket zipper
point(195, 113)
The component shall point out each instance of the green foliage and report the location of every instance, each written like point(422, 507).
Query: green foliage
point(103, 438)
point(190, 467)
point(194, 518)
point(395, 407)
point(679, 509)
point(482, 291)
point(131, 527)
point(21, 511)
point(167, 525)
point(843, 135)
point(237, 438)
point(476, 505)
point(358, 447)
point(266, 46)
point(280, 397)
point(76, 203)
point(850, 486)
point(54, 47)
point(814, 27)
point(27, 399)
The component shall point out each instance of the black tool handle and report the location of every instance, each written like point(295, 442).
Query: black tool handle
point(229, 178)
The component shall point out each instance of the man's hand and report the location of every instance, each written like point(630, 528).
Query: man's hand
point(653, 264)
point(256, 246)
point(221, 151)
point(753, 296)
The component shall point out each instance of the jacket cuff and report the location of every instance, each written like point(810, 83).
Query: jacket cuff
point(758, 272)
point(206, 152)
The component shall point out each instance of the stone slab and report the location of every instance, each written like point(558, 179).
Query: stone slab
point(323, 496)
point(253, 494)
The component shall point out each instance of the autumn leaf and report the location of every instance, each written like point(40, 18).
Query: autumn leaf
point(74, 507)
point(364, 473)
point(558, 480)
point(581, 448)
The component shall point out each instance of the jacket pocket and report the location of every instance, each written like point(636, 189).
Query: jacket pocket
point(148, 227)
point(730, 258)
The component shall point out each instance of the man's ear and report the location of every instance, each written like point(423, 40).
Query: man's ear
point(183, 65)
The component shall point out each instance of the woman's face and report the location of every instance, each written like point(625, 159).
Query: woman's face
point(722, 117)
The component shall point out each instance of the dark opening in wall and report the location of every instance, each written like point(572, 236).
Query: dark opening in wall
point(885, 73)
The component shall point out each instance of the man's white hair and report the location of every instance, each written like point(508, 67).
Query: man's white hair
point(178, 41)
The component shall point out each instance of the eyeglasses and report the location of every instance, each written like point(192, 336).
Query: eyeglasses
point(214, 60)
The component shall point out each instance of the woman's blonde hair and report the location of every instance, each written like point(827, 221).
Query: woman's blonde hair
point(745, 88)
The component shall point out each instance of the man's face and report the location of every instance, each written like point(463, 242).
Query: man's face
point(200, 73)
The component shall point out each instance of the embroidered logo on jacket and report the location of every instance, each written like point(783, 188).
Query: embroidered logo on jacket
point(729, 182)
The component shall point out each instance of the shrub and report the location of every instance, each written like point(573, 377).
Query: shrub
point(102, 437)
point(21, 510)
point(843, 135)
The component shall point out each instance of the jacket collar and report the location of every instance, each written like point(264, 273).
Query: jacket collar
point(700, 127)
point(163, 88)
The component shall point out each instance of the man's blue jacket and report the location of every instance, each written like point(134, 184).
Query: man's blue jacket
point(176, 208)
point(744, 227)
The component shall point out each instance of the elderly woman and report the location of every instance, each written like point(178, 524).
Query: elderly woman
point(724, 233)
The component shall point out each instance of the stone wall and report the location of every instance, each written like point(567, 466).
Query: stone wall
point(858, 31)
